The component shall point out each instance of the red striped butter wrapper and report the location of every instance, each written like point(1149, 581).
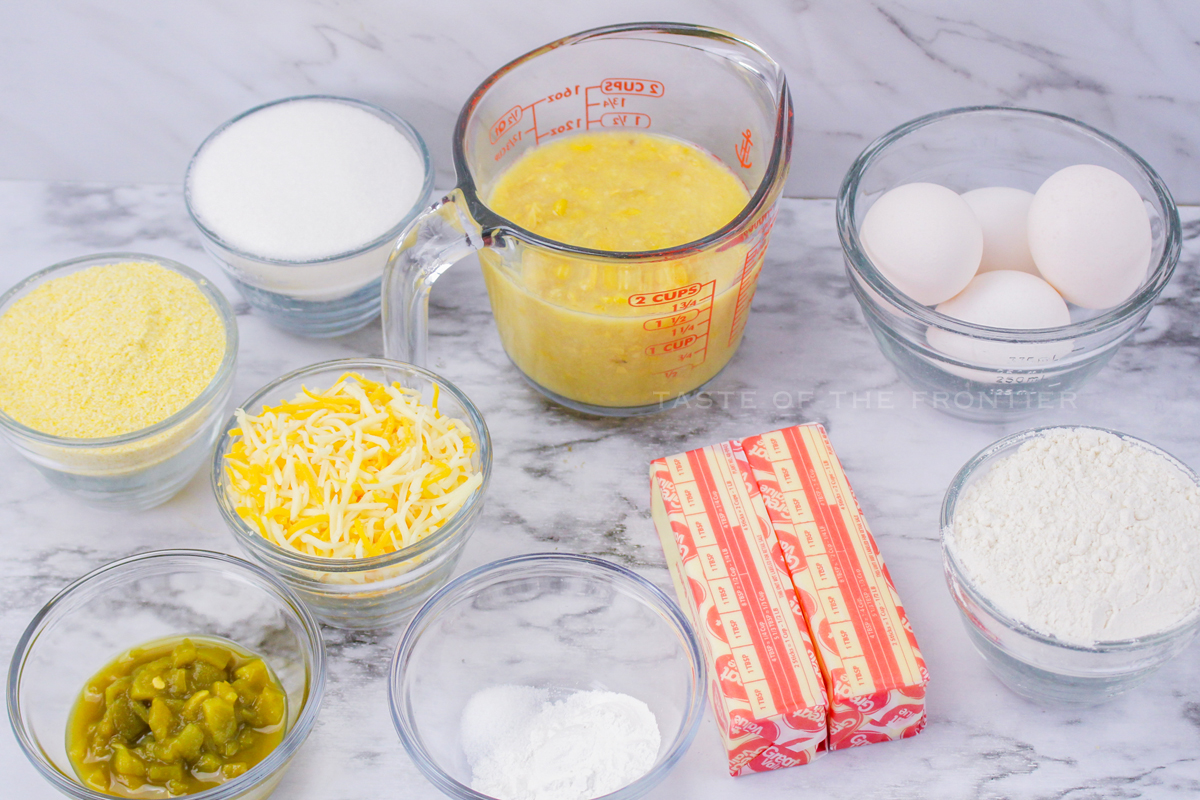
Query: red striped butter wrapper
point(873, 670)
point(766, 688)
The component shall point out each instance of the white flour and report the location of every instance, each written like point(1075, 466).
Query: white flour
point(523, 746)
point(1085, 536)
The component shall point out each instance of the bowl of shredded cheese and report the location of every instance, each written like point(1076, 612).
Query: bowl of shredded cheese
point(115, 371)
point(358, 482)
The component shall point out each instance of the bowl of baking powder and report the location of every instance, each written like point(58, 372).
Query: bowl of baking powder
point(1073, 554)
point(547, 676)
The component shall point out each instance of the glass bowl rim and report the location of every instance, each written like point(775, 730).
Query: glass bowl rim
point(222, 375)
point(276, 555)
point(274, 761)
point(858, 262)
point(582, 565)
point(957, 577)
point(391, 234)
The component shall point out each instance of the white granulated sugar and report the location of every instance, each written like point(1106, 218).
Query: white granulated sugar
point(1085, 536)
point(305, 180)
point(522, 745)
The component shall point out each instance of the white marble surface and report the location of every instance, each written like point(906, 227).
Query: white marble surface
point(124, 92)
point(569, 483)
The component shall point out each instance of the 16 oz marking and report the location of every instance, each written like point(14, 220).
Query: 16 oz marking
point(565, 93)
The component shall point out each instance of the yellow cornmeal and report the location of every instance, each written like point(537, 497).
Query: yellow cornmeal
point(107, 350)
point(574, 325)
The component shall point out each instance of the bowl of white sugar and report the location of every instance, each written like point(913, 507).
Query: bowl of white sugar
point(1073, 554)
point(301, 201)
point(547, 676)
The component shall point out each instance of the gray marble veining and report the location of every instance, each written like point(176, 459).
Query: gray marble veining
point(125, 92)
point(571, 483)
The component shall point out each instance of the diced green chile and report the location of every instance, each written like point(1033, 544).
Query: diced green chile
point(175, 717)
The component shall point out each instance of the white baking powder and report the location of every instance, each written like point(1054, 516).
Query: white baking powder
point(305, 180)
point(522, 745)
point(1085, 536)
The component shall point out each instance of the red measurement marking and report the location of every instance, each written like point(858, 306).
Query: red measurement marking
point(632, 86)
point(751, 266)
point(743, 150)
point(565, 93)
point(672, 346)
point(671, 321)
point(587, 106)
point(510, 144)
point(510, 118)
point(570, 125)
point(688, 323)
point(619, 91)
point(671, 374)
point(624, 119)
point(692, 332)
point(670, 295)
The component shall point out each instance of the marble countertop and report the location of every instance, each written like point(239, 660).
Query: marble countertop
point(125, 92)
point(563, 482)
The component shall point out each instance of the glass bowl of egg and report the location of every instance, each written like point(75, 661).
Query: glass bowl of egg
point(115, 372)
point(1001, 256)
point(358, 482)
point(547, 675)
point(1073, 555)
point(115, 687)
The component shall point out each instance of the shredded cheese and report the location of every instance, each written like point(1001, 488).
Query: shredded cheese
point(359, 470)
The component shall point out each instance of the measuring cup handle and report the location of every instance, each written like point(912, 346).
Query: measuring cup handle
point(435, 240)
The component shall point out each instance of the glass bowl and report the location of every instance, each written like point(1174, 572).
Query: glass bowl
point(322, 297)
point(149, 596)
point(553, 620)
point(377, 592)
point(144, 468)
point(1036, 666)
point(996, 373)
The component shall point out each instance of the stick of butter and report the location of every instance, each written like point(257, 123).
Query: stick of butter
point(874, 674)
point(766, 688)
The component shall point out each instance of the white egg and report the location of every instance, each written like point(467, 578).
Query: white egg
point(1003, 299)
point(1002, 212)
point(1090, 236)
point(925, 239)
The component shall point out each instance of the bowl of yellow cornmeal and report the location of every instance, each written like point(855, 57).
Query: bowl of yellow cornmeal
point(115, 370)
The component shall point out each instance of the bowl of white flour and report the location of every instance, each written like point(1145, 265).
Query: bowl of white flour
point(1073, 554)
point(548, 676)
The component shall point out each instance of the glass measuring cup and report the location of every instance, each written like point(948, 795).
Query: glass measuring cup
point(610, 333)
